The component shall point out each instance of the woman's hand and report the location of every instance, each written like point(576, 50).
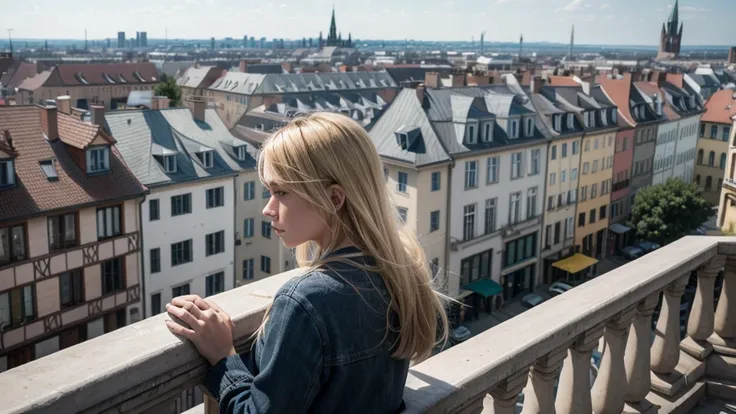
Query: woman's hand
point(210, 328)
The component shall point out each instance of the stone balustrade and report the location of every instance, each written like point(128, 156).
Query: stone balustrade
point(543, 354)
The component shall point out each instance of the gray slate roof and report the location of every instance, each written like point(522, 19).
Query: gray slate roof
point(142, 135)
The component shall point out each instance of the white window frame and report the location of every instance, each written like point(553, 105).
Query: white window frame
point(517, 164)
point(469, 222)
point(207, 158)
point(514, 208)
point(242, 152)
point(101, 161)
point(487, 131)
point(169, 163)
point(536, 161)
point(471, 133)
point(471, 174)
point(492, 169)
point(531, 202)
point(604, 117)
point(557, 122)
point(570, 121)
point(529, 127)
point(513, 128)
point(8, 166)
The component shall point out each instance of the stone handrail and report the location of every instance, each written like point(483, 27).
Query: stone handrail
point(138, 367)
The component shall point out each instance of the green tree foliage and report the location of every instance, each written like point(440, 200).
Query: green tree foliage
point(169, 89)
point(665, 212)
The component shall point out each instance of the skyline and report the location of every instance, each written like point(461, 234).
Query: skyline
point(597, 22)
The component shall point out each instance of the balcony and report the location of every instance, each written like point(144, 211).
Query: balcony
point(140, 367)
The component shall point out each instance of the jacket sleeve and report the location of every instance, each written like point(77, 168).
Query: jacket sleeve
point(290, 365)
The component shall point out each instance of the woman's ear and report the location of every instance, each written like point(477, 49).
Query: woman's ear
point(337, 196)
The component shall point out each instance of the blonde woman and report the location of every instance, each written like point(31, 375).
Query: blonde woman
point(339, 338)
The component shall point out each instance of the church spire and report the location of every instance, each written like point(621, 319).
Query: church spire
point(572, 42)
point(673, 21)
point(332, 36)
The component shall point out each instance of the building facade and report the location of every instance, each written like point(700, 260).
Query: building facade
point(69, 234)
point(727, 204)
point(713, 135)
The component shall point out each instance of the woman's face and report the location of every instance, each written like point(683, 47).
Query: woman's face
point(293, 218)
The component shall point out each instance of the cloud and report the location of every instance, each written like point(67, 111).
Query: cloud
point(36, 10)
point(283, 6)
point(605, 6)
point(694, 9)
point(502, 1)
point(191, 2)
point(573, 5)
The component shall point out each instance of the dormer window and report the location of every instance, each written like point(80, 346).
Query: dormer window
point(570, 121)
point(7, 173)
point(98, 159)
point(614, 116)
point(403, 138)
point(471, 134)
point(529, 127)
point(169, 163)
point(513, 128)
point(591, 115)
point(557, 122)
point(487, 132)
point(242, 152)
point(604, 117)
point(207, 158)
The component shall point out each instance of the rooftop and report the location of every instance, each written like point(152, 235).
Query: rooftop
point(720, 107)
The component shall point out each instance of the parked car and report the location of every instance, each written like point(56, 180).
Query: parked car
point(558, 288)
point(459, 335)
point(632, 252)
point(647, 246)
point(531, 300)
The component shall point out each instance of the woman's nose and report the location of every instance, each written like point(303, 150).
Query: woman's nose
point(270, 209)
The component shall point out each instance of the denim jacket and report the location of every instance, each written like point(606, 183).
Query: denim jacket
point(326, 349)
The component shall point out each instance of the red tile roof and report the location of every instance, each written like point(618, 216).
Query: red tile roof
point(651, 88)
point(720, 107)
point(103, 74)
point(619, 90)
point(33, 193)
point(79, 134)
point(562, 81)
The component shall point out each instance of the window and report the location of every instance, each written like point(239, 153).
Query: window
point(557, 120)
point(476, 267)
point(726, 132)
point(602, 213)
point(581, 219)
point(7, 173)
point(248, 227)
point(587, 145)
point(249, 190)
point(71, 288)
point(550, 203)
point(108, 222)
point(713, 131)
point(708, 183)
point(471, 170)
point(531, 203)
point(711, 159)
point(553, 155)
point(557, 232)
point(516, 165)
point(487, 131)
point(697, 179)
point(536, 155)
point(564, 150)
point(181, 204)
point(181, 252)
point(592, 216)
point(436, 181)
point(514, 208)
point(62, 231)
point(529, 127)
point(215, 243)
point(215, 284)
point(248, 273)
point(180, 290)
point(575, 147)
point(434, 266)
point(490, 215)
point(434, 221)
point(570, 227)
point(155, 259)
point(584, 193)
point(552, 177)
point(514, 128)
point(112, 276)
point(700, 156)
point(570, 122)
point(207, 158)
point(548, 236)
point(593, 191)
point(216, 197)
point(563, 176)
point(155, 304)
point(403, 213)
point(403, 180)
point(169, 163)
point(98, 159)
point(586, 168)
point(492, 170)
point(471, 137)
point(17, 306)
point(610, 141)
point(469, 222)
point(722, 163)
point(265, 264)
point(241, 152)
point(12, 244)
point(266, 229)
point(572, 196)
point(523, 248)
point(385, 173)
point(595, 166)
point(265, 193)
point(154, 212)
point(574, 174)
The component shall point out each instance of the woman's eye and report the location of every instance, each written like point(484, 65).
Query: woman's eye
point(279, 193)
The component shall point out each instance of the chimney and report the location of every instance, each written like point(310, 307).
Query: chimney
point(657, 104)
point(160, 102)
point(97, 114)
point(49, 122)
point(243, 66)
point(537, 83)
point(432, 80)
point(458, 80)
point(627, 78)
point(420, 94)
point(197, 107)
point(64, 103)
point(482, 79)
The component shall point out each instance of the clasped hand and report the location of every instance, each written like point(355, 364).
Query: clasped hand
point(210, 328)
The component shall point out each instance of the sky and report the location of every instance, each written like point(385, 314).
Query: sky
point(608, 22)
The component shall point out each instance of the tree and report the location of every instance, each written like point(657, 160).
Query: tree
point(665, 212)
point(169, 89)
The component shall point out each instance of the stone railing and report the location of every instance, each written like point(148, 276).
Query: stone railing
point(137, 368)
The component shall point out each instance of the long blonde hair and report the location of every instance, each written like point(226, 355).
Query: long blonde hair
point(315, 151)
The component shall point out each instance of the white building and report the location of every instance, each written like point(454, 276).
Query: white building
point(190, 163)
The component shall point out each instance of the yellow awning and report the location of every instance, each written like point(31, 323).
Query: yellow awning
point(575, 263)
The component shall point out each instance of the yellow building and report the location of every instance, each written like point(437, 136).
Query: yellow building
point(715, 129)
point(727, 202)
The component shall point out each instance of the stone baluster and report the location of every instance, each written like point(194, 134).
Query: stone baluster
point(502, 399)
point(665, 350)
point(700, 323)
point(573, 394)
point(539, 394)
point(724, 339)
point(636, 358)
point(610, 384)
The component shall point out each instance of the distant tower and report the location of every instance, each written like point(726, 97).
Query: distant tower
point(321, 40)
point(572, 43)
point(482, 40)
point(46, 45)
point(212, 43)
point(350, 39)
point(85, 39)
point(671, 38)
point(521, 45)
point(332, 37)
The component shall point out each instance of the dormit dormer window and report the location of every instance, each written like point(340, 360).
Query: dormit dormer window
point(614, 116)
point(570, 121)
point(207, 158)
point(471, 132)
point(98, 159)
point(169, 163)
point(557, 122)
point(7, 172)
point(409, 138)
point(529, 126)
point(241, 152)
point(604, 117)
point(513, 128)
point(487, 131)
